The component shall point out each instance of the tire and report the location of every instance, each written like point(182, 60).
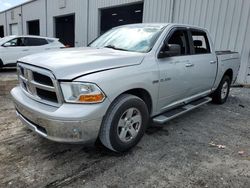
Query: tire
point(124, 123)
point(221, 94)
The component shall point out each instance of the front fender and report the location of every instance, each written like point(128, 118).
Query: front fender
point(117, 81)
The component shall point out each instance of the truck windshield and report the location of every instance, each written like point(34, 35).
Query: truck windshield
point(130, 38)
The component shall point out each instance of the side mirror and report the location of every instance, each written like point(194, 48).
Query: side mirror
point(7, 44)
point(170, 50)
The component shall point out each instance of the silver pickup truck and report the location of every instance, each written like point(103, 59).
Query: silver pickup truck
point(129, 76)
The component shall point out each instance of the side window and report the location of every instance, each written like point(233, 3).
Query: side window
point(200, 42)
point(34, 41)
point(180, 37)
point(14, 42)
point(11, 43)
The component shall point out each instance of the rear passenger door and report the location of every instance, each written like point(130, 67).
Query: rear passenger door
point(204, 69)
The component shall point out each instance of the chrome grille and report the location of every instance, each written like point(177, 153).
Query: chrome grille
point(39, 84)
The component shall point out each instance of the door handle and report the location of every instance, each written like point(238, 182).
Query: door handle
point(189, 65)
point(25, 50)
point(212, 62)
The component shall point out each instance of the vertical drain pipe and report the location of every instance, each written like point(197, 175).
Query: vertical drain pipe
point(172, 2)
point(46, 17)
point(88, 7)
point(6, 25)
point(22, 24)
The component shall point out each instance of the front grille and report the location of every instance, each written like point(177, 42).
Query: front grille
point(47, 95)
point(39, 84)
point(42, 79)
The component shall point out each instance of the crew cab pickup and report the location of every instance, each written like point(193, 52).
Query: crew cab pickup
point(126, 78)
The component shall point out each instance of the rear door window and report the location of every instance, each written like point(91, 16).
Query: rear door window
point(35, 41)
point(200, 42)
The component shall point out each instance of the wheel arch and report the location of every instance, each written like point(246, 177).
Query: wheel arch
point(142, 94)
point(229, 72)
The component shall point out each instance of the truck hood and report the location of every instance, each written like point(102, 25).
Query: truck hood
point(68, 64)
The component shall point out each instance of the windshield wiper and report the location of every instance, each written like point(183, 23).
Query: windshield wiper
point(115, 48)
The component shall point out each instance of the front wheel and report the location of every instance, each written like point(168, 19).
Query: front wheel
point(221, 94)
point(124, 124)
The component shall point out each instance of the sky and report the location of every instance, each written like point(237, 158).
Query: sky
point(5, 4)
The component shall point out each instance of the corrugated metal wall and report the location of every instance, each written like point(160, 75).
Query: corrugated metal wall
point(158, 11)
point(228, 22)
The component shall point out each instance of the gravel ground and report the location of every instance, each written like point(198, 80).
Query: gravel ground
point(179, 154)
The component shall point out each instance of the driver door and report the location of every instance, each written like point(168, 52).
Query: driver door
point(174, 71)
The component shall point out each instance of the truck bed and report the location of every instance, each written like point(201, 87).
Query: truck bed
point(227, 60)
point(227, 55)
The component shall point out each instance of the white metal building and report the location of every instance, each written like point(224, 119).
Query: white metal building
point(78, 22)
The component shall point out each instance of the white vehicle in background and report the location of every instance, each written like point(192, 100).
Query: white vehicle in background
point(15, 47)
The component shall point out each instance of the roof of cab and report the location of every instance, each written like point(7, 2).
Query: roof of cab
point(162, 25)
point(31, 36)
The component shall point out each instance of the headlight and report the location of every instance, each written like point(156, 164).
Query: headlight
point(78, 92)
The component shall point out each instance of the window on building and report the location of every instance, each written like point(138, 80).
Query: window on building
point(33, 27)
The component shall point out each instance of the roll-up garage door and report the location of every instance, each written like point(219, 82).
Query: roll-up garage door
point(14, 29)
point(121, 15)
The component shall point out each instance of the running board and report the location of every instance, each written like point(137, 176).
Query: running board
point(169, 115)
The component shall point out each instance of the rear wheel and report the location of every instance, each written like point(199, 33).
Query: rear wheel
point(124, 124)
point(221, 94)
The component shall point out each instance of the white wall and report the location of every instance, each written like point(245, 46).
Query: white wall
point(35, 11)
